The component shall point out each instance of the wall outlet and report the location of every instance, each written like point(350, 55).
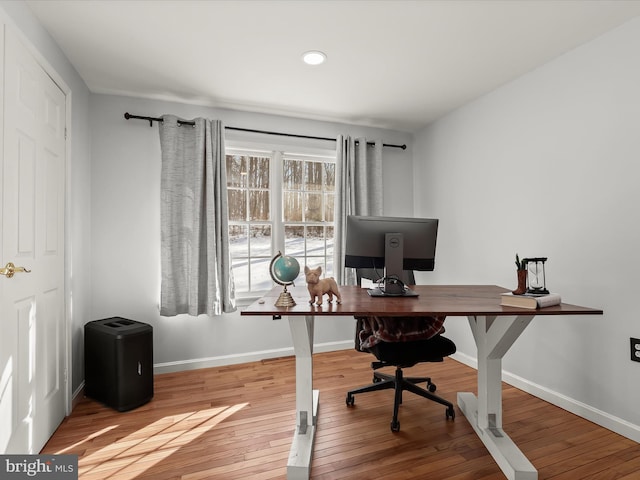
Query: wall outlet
point(635, 349)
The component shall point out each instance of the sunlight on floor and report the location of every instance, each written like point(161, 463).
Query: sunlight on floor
point(71, 448)
point(130, 456)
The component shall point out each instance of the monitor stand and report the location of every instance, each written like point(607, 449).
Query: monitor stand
point(377, 292)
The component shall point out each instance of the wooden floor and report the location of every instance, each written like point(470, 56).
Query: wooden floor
point(237, 422)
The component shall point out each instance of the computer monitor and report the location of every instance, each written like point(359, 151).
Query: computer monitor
point(393, 243)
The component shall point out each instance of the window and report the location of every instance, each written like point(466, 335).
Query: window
point(279, 201)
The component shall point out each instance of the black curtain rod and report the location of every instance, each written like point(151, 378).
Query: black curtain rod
point(184, 122)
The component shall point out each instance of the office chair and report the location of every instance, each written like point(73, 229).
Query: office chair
point(402, 355)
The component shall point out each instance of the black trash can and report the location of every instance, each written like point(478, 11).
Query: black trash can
point(118, 362)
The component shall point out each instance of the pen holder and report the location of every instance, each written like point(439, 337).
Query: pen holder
point(522, 283)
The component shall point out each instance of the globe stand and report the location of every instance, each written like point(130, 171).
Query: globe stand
point(285, 299)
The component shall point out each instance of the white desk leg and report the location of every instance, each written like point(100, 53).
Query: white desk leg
point(299, 464)
point(494, 336)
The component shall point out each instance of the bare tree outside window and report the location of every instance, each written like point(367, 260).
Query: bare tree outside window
point(250, 227)
point(306, 191)
point(309, 190)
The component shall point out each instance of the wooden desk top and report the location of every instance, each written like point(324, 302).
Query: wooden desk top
point(449, 300)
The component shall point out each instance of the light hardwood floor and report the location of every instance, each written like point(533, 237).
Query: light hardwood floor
point(236, 422)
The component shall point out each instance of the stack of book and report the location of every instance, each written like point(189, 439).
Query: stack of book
point(530, 300)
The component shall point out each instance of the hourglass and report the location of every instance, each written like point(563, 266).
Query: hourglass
point(536, 281)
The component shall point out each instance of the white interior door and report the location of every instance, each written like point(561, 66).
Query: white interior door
point(33, 338)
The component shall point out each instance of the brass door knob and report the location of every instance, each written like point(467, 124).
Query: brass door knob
point(10, 269)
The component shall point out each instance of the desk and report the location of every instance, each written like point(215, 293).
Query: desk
point(494, 328)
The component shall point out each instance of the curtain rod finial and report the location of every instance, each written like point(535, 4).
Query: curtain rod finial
point(128, 116)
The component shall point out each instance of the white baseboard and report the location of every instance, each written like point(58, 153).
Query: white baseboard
point(196, 363)
point(77, 396)
point(610, 422)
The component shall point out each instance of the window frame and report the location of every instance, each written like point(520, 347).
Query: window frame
point(278, 151)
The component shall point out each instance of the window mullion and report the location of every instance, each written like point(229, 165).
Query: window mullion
point(276, 202)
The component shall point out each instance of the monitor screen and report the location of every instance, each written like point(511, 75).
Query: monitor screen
point(392, 243)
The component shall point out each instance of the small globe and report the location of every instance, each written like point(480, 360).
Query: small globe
point(285, 269)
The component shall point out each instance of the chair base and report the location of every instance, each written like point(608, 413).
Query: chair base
point(397, 382)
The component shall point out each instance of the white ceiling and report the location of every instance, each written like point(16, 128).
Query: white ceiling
point(392, 64)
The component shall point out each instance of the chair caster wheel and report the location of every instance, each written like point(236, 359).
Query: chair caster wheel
point(350, 400)
point(451, 413)
point(395, 426)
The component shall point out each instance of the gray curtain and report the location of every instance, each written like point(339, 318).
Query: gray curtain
point(195, 258)
point(359, 192)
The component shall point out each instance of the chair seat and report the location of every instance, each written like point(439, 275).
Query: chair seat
point(407, 354)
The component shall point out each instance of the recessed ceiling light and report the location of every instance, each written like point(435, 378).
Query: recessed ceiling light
point(314, 57)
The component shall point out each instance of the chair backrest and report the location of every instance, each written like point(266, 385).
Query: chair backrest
point(374, 275)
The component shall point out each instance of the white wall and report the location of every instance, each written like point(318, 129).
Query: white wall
point(19, 17)
point(126, 231)
point(548, 165)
